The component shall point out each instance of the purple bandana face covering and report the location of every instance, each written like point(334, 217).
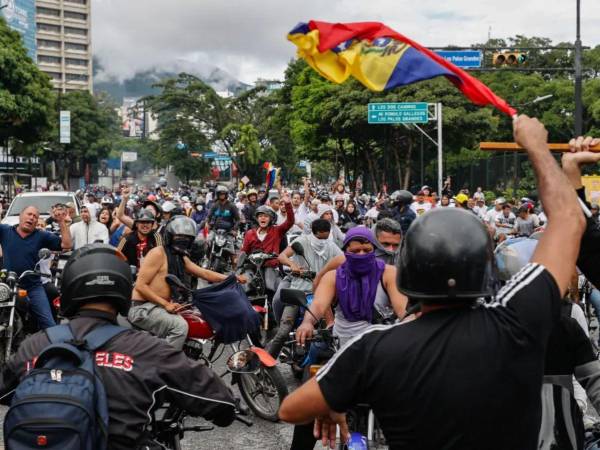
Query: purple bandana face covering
point(356, 284)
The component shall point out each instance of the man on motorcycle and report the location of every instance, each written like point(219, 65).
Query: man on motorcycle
point(317, 250)
point(153, 306)
point(402, 212)
point(352, 290)
point(136, 245)
point(223, 214)
point(267, 238)
point(459, 355)
point(134, 366)
point(20, 247)
point(251, 206)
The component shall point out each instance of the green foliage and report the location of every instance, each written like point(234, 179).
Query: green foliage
point(94, 132)
point(26, 97)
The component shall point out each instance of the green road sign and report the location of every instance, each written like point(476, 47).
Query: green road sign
point(382, 113)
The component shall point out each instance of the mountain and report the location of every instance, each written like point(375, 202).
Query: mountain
point(141, 83)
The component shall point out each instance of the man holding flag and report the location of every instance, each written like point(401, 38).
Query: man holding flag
point(454, 377)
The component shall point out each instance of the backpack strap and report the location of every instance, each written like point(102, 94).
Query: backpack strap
point(59, 334)
point(101, 335)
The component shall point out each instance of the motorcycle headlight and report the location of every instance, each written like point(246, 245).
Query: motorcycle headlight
point(4, 292)
point(220, 241)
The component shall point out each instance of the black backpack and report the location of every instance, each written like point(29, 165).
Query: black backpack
point(61, 403)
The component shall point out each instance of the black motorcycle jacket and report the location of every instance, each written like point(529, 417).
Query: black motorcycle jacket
point(225, 216)
point(139, 372)
point(405, 217)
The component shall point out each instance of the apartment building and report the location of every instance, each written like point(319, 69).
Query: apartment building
point(63, 38)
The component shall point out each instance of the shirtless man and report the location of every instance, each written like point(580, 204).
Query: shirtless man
point(152, 307)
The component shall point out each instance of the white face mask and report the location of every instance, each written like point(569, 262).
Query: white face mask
point(199, 207)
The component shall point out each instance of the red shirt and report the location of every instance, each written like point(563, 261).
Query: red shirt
point(272, 241)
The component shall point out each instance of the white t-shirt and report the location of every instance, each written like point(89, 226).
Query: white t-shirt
point(372, 213)
point(420, 208)
point(509, 221)
point(481, 211)
point(491, 216)
point(479, 196)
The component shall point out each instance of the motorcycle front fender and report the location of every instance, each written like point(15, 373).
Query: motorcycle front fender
point(265, 357)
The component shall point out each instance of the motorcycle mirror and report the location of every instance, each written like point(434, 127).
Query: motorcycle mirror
point(44, 253)
point(298, 249)
point(293, 297)
point(244, 361)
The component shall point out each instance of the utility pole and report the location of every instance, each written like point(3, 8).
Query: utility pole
point(578, 102)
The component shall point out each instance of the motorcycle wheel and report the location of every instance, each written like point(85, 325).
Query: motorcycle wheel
point(263, 391)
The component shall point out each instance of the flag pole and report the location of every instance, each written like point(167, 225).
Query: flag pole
point(439, 144)
point(512, 146)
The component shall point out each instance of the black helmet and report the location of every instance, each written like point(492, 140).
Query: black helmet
point(436, 265)
point(181, 225)
point(266, 210)
point(153, 203)
point(145, 215)
point(95, 273)
point(401, 198)
point(185, 229)
point(324, 196)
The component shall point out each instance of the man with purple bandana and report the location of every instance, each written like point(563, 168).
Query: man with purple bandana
point(351, 289)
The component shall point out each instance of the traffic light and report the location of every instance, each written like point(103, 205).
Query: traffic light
point(509, 58)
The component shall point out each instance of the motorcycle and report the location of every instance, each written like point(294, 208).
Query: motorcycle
point(254, 371)
point(257, 288)
point(16, 322)
point(221, 249)
point(323, 345)
point(168, 429)
point(301, 357)
point(291, 318)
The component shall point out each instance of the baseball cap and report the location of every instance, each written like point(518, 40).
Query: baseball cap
point(461, 198)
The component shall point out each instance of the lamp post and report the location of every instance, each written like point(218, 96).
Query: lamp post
point(578, 102)
point(516, 155)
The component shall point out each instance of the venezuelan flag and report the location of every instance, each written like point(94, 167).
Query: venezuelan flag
point(271, 174)
point(381, 59)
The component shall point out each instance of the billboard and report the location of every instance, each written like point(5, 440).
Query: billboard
point(592, 187)
point(20, 16)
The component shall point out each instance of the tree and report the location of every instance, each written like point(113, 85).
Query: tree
point(94, 130)
point(26, 96)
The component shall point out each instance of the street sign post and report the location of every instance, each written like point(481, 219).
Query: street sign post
point(129, 156)
point(410, 113)
point(386, 113)
point(65, 127)
point(465, 59)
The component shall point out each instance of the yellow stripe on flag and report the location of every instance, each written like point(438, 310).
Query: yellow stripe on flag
point(327, 64)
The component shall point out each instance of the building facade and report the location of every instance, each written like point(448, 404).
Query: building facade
point(20, 16)
point(63, 38)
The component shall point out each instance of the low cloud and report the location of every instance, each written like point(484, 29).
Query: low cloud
point(246, 38)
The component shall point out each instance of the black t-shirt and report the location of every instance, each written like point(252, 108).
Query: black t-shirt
point(467, 378)
point(569, 347)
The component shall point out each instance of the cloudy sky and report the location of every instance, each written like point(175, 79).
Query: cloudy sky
point(247, 37)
